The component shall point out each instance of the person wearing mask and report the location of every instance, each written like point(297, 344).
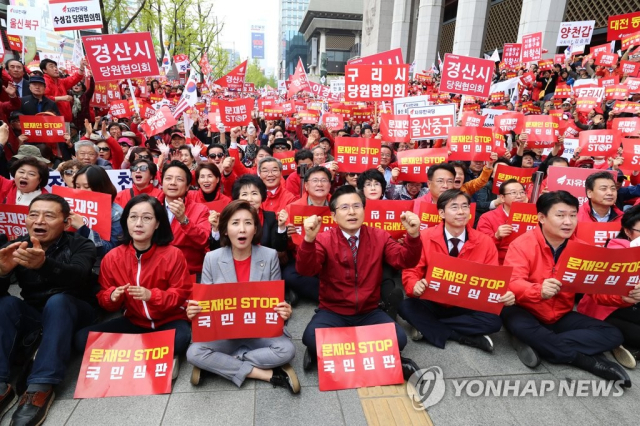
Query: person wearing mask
point(270, 171)
point(601, 199)
point(36, 101)
point(58, 87)
point(143, 173)
point(30, 175)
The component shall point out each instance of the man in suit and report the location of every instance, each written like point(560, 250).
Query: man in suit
point(37, 102)
point(15, 74)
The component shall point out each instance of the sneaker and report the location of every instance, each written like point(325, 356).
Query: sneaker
point(285, 377)
point(482, 342)
point(415, 335)
point(7, 400)
point(195, 376)
point(33, 408)
point(176, 368)
point(624, 357)
point(527, 355)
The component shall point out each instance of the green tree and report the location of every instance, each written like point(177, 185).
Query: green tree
point(256, 76)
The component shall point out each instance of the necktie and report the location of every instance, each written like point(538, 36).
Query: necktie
point(454, 251)
point(354, 248)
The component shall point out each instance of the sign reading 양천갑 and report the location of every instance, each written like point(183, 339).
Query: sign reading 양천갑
point(356, 155)
point(13, 220)
point(94, 207)
point(471, 285)
point(470, 143)
point(415, 163)
point(355, 357)
point(75, 14)
point(465, 75)
point(43, 129)
point(116, 56)
point(432, 122)
point(575, 33)
point(385, 215)
point(237, 310)
point(375, 82)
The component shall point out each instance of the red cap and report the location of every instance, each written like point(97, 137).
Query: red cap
point(177, 134)
point(598, 110)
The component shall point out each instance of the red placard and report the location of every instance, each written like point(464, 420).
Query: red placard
point(287, 159)
point(395, 128)
point(543, 130)
point(161, 120)
point(587, 104)
point(597, 233)
point(415, 163)
point(571, 179)
point(119, 108)
point(511, 54)
point(559, 58)
point(624, 106)
point(631, 40)
point(273, 112)
point(527, 78)
point(459, 282)
point(523, 217)
point(126, 364)
point(356, 357)
point(13, 220)
point(43, 128)
point(375, 82)
point(15, 42)
point(390, 57)
point(631, 153)
point(504, 173)
point(99, 98)
point(610, 81)
point(362, 115)
point(94, 207)
point(216, 206)
point(627, 126)
point(237, 311)
point(630, 68)
point(470, 143)
point(308, 116)
point(598, 143)
point(265, 102)
point(616, 92)
point(465, 75)
point(114, 56)
point(342, 109)
point(249, 88)
point(531, 47)
point(298, 213)
point(506, 123)
point(563, 91)
point(333, 122)
point(234, 79)
point(530, 108)
point(472, 119)
point(557, 113)
point(429, 216)
point(597, 270)
point(619, 26)
point(236, 112)
point(385, 215)
point(545, 64)
point(606, 59)
point(356, 155)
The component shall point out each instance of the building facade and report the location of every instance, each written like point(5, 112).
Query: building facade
point(292, 44)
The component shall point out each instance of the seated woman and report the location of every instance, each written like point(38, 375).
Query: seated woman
point(241, 259)
point(143, 173)
point(30, 176)
point(208, 179)
point(146, 276)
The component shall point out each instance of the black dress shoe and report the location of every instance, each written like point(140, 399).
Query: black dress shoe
point(285, 377)
point(481, 342)
point(7, 400)
point(33, 408)
point(309, 360)
point(291, 297)
point(526, 354)
point(408, 367)
point(604, 368)
point(391, 305)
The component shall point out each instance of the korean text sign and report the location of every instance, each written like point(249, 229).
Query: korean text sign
point(23, 21)
point(75, 14)
point(543, 130)
point(470, 143)
point(459, 282)
point(465, 75)
point(354, 357)
point(531, 47)
point(94, 207)
point(237, 310)
point(575, 33)
point(432, 122)
point(415, 163)
point(44, 129)
point(394, 128)
point(583, 268)
point(375, 82)
point(298, 213)
point(597, 233)
point(236, 112)
point(355, 155)
point(13, 220)
point(287, 159)
point(631, 154)
point(116, 56)
point(161, 120)
point(620, 26)
point(599, 142)
point(385, 215)
point(126, 364)
point(523, 218)
point(429, 216)
point(504, 173)
point(571, 179)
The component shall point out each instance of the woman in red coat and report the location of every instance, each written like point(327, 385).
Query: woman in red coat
point(30, 176)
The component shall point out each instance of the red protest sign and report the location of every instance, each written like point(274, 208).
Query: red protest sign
point(619, 26)
point(470, 143)
point(299, 80)
point(631, 40)
point(94, 207)
point(237, 311)
point(465, 75)
point(362, 115)
point(571, 179)
point(126, 364)
point(545, 64)
point(333, 122)
point(236, 112)
point(161, 120)
point(15, 42)
point(249, 88)
point(471, 119)
point(344, 110)
point(385, 215)
point(630, 68)
point(429, 216)
point(610, 81)
point(356, 357)
point(375, 82)
point(511, 54)
point(523, 217)
point(119, 108)
point(597, 143)
point(557, 113)
point(389, 57)
point(627, 126)
point(559, 58)
point(624, 106)
point(114, 56)
point(216, 206)
point(597, 270)
point(415, 163)
point(273, 112)
point(597, 233)
point(511, 121)
point(459, 282)
point(504, 173)
point(99, 98)
point(355, 155)
point(308, 116)
point(395, 128)
point(587, 104)
point(631, 153)
point(616, 92)
point(287, 159)
point(298, 213)
point(531, 47)
point(13, 220)
point(563, 91)
point(606, 59)
point(235, 78)
point(43, 128)
point(543, 130)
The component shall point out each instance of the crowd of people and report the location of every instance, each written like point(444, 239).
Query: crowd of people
point(163, 232)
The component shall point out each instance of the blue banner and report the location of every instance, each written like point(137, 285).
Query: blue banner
point(257, 45)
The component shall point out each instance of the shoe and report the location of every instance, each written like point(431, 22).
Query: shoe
point(481, 342)
point(527, 355)
point(7, 400)
point(291, 297)
point(33, 408)
point(176, 368)
point(408, 367)
point(624, 357)
point(285, 377)
point(602, 367)
point(393, 302)
point(309, 360)
point(195, 376)
point(415, 335)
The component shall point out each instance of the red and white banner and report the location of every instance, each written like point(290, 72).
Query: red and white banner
point(356, 155)
point(385, 215)
point(506, 123)
point(606, 59)
point(299, 80)
point(531, 47)
point(287, 159)
point(23, 20)
point(429, 216)
point(631, 153)
point(598, 143)
point(13, 220)
point(543, 130)
point(390, 57)
point(472, 119)
point(395, 128)
point(631, 40)
point(589, 92)
point(624, 106)
point(357, 357)
point(15, 42)
point(465, 75)
point(620, 26)
point(627, 126)
point(375, 82)
point(160, 121)
point(298, 213)
point(236, 112)
point(579, 33)
point(470, 143)
point(433, 121)
point(181, 61)
point(126, 365)
point(415, 163)
point(571, 179)
point(587, 104)
point(616, 92)
point(630, 68)
point(511, 54)
point(333, 122)
point(93, 207)
point(119, 108)
point(43, 128)
point(523, 217)
point(563, 91)
point(75, 14)
point(504, 173)
point(597, 233)
point(234, 79)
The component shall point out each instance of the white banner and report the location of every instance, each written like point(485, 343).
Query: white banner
point(75, 14)
point(491, 114)
point(121, 179)
point(570, 146)
point(403, 105)
point(579, 32)
point(589, 92)
point(337, 86)
point(23, 21)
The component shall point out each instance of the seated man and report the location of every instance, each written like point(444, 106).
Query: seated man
point(602, 195)
point(437, 322)
point(348, 260)
point(542, 320)
point(53, 269)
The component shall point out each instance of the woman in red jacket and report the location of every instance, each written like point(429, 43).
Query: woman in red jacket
point(146, 276)
point(208, 179)
point(30, 176)
point(143, 172)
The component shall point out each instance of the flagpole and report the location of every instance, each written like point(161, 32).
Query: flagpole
point(133, 96)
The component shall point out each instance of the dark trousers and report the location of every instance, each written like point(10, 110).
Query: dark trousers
point(123, 325)
point(60, 318)
point(627, 320)
point(561, 341)
point(306, 287)
point(436, 322)
point(327, 319)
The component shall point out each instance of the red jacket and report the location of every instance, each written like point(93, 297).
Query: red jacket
point(532, 262)
point(125, 195)
point(278, 200)
point(489, 224)
point(60, 87)
point(193, 238)
point(343, 289)
point(163, 270)
point(586, 215)
point(477, 248)
point(9, 191)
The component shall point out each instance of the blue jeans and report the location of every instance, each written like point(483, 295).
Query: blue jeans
point(61, 317)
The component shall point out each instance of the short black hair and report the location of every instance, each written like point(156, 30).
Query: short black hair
point(266, 149)
point(555, 160)
point(502, 189)
point(45, 62)
point(8, 61)
point(371, 174)
point(303, 154)
point(153, 169)
point(226, 214)
point(316, 169)
point(529, 153)
point(98, 180)
point(246, 180)
point(161, 236)
point(43, 170)
point(181, 166)
point(216, 145)
point(589, 184)
point(550, 199)
point(449, 195)
point(629, 220)
point(442, 166)
point(64, 206)
point(460, 164)
point(345, 190)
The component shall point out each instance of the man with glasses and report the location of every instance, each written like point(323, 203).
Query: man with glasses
point(270, 171)
point(494, 222)
point(348, 260)
point(436, 322)
point(441, 178)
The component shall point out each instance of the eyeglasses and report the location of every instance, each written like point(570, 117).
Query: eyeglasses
point(374, 184)
point(442, 181)
point(515, 193)
point(144, 157)
point(457, 207)
point(385, 155)
point(141, 168)
point(145, 219)
point(70, 172)
point(635, 230)
point(272, 172)
point(212, 156)
point(346, 207)
point(317, 181)
point(353, 174)
point(104, 149)
point(280, 148)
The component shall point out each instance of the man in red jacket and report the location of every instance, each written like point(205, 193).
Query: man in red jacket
point(348, 260)
point(57, 87)
point(270, 171)
point(543, 321)
point(437, 322)
point(602, 195)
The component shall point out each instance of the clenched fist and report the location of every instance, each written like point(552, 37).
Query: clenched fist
point(411, 223)
point(311, 228)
